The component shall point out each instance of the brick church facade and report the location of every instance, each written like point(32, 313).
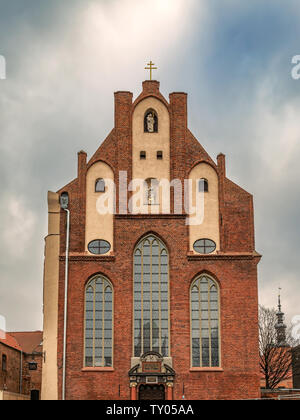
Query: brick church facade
point(160, 305)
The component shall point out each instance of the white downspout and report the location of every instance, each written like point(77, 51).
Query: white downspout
point(66, 304)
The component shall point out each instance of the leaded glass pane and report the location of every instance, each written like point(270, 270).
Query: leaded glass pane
point(195, 352)
point(164, 323)
point(98, 334)
point(155, 317)
point(138, 286)
point(107, 361)
point(155, 307)
point(214, 324)
point(147, 293)
point(107, 305)
point(89, 343)
point(195, 332)
point(138, 302)
point(195, 316)
point(164, 286)
point(108, 333)
point(195, 305)
point(138, 314)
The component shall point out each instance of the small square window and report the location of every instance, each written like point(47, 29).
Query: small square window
point(143, 155)
point(32, 366)
point(159, 154)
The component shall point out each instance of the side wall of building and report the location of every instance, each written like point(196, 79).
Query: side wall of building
point(51, 270)
point(10, 378)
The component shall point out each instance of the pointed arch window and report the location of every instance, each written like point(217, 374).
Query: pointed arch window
point(100, 185)
point(205, 321)
point(98, 347)
point(151, 297)
point(203, 185)
point(150, 121)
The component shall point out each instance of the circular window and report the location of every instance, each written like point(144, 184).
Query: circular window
point(204, 246)
point(99, 247)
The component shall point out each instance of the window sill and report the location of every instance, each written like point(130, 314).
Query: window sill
point(98, 369)
point(206, 369)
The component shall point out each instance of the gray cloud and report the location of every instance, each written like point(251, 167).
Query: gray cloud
point(66, 60)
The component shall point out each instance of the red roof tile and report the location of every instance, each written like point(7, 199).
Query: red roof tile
point(30, 341)
point(9, 341)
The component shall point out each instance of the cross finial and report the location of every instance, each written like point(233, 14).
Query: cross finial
point(150, 68)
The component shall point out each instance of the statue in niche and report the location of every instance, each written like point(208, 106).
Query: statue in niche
point(151, 122)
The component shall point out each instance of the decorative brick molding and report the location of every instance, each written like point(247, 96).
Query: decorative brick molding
point(88, 258)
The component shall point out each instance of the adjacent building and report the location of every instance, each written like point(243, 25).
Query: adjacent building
point(21, 355)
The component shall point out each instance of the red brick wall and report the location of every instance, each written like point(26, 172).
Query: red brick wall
point(10, 380)
point(234, 268)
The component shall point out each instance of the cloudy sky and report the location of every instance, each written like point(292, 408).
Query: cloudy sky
point(64, 61)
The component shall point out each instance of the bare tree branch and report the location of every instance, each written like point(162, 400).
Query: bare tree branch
point(275, 360)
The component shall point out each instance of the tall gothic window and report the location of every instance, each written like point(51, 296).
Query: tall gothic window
point(205, 315)
point(99, 323)
point(151, 297)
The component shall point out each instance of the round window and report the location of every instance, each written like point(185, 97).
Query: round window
point(204, 246)
point(99, 247)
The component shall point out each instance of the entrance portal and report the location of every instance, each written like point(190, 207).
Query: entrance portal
point(152, 392)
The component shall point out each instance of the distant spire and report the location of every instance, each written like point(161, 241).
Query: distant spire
point(280, 325)
point(279, 302)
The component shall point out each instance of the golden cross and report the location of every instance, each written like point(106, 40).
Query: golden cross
point(150, 68)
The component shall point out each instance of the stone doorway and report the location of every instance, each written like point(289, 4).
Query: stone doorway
point(151, 377)
point(152, 392)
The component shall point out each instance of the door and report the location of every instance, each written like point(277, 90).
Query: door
point(152, 392)
point(35, 395)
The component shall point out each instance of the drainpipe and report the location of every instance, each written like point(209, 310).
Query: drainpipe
point(64, 202)
point(21, 371)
